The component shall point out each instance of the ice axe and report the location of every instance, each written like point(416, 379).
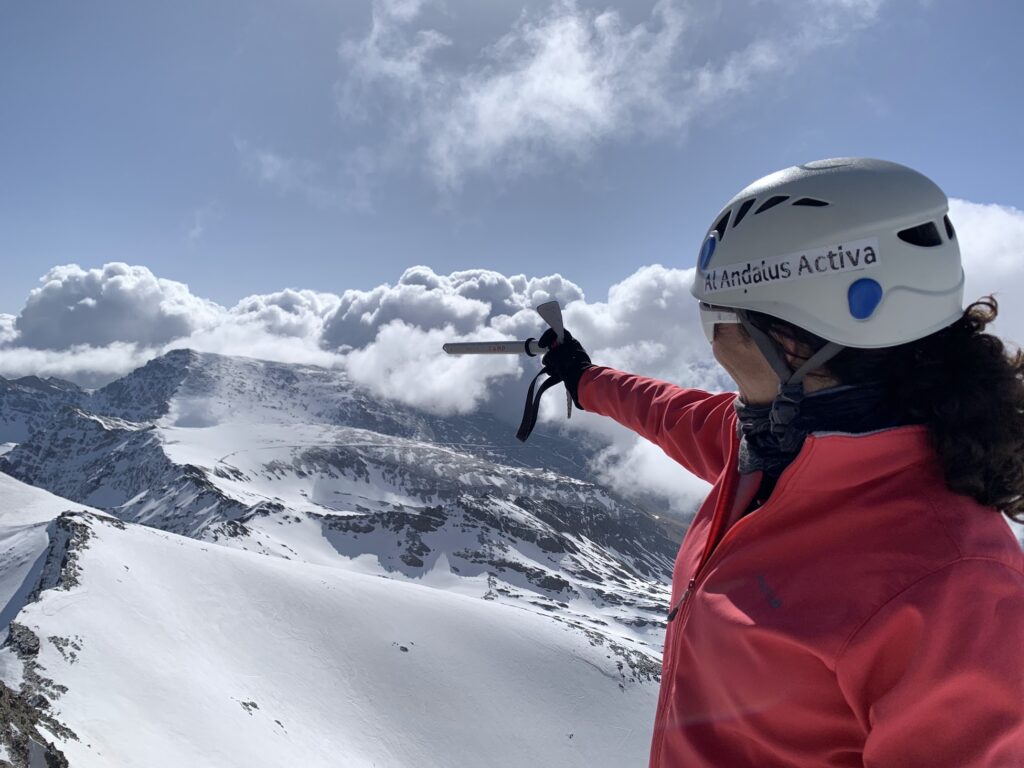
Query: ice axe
point(551, 313)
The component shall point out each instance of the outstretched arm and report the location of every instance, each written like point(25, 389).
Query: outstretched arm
point(693, 427)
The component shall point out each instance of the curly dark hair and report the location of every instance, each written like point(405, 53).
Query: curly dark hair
point(966, 385)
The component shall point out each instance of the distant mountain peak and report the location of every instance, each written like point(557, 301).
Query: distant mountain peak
point(50, 384)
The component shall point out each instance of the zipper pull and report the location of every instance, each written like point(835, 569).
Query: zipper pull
point(675, 609)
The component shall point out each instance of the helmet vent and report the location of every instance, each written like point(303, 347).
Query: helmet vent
point(925, 235)
point(810, 202)
point(744, 208)
point(771, 202)
point(721, 225)
point(949, 228)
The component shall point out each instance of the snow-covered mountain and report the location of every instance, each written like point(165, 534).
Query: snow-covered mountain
point(294, 461)
point(27, 405)
point(216, 455)
point(144, 648)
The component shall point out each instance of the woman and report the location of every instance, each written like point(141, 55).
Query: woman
point(848, 594)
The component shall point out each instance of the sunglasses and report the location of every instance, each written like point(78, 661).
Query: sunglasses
point(711, 315)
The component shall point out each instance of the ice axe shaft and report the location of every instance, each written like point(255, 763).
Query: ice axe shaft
point(550, 312)
point(529, 347)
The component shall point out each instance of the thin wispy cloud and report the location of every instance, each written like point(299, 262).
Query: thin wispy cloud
point(559, 84)
point(287, 175)
point(202, 218)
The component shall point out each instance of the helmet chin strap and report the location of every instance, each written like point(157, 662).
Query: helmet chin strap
point(786, 405)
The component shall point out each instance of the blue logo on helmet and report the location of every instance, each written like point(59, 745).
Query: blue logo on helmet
point(707, 251)
point(864, 296)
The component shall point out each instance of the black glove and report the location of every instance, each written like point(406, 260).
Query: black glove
point(565, 361)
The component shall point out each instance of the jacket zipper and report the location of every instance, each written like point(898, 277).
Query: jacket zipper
point(684, 601)
point(682, 604)
point(681, 600)
point(693, 585)
point(710, 551)
point(724, 500)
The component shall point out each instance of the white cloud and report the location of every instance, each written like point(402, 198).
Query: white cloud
point(288, 313)
point(639, 468)
point(405, 363)
point(560, 83)
point(389, 53)
point(829, 21)
point(116, 303)
point(287, 174)
point(991, 237)
point(95, 325)
point(992, 246)
point(86, 365)
point(362, 313)
point(7, 330)
point(286, 327)
point(465, 301)
point(201, 220)
point(555, 85)
point(237, 336)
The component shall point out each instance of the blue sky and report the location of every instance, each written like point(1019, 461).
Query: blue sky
point(237, 148)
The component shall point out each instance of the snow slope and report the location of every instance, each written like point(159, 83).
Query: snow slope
point(25, 516)
point(28, 532)
point(175, 652)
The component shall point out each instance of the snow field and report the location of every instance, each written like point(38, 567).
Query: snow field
point(194, 654)
point(25, 513)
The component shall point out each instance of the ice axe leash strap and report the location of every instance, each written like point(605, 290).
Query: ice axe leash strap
point(532, 407)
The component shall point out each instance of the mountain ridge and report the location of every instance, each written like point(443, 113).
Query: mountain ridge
point(293, 461)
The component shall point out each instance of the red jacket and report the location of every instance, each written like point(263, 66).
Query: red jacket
point(865, 615)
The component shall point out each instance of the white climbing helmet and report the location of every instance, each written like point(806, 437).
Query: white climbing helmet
point(858, 251)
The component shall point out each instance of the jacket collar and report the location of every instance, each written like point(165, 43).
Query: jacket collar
point(831, 461)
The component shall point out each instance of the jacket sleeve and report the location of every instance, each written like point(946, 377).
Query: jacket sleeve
point(936, 676)
point(693, 427)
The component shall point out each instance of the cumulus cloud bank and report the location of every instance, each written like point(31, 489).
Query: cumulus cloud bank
point(465, 301)
point(560, 82)
point(79, 323)
point(118, 303)
point(288, 313)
